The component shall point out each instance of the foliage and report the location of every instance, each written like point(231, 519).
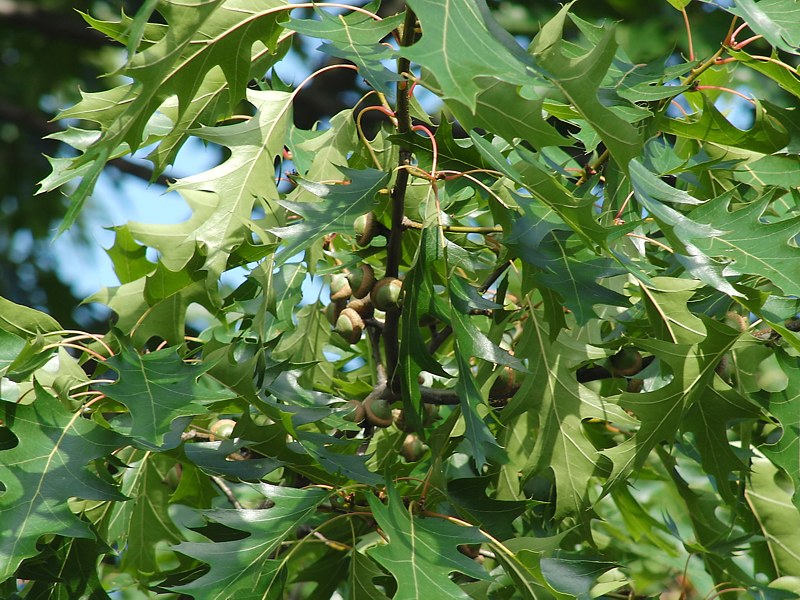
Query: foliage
point(587, 386)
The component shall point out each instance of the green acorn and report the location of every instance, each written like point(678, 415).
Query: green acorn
point(626, 362)
point(361, 281)
point(379, 413)
point(334, 309)
point(505, 383)
point(340, 287)
point(357, 414)
point(366, 228)
point(413, 448)
point(350, 325)
point(222, 429)
point(387, 293)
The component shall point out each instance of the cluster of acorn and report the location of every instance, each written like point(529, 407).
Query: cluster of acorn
point(355, 296)
point(377, 412)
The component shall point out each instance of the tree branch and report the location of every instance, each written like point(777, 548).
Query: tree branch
point(27, 15)
point(38, 124)
point(394, 250)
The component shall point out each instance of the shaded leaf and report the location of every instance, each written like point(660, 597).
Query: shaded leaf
point(421, 552)
point(46, 467)
point(158, 388)
point(247, 568)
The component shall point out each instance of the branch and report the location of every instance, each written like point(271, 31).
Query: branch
point(394, 250)
point(27, 15)
point(38, 123)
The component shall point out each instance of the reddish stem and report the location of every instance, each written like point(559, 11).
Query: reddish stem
point(688, 33)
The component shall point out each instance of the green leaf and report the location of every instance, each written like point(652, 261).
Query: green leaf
point(212, 458)
point(25, 322)
point(785, 453)
point(579, 77)
point(246, 568)
point(559, 405)
point(661, 411)
point(66, 569)
point(421, 552)
point(750, 244)
point(680, 4)
point(459, 45)
point(469, 495)
point(776, 20)
point(176, 65)
point(336, 210)
point(769, 497)
point(709, 125)
point(500, 108)
point(223, 197)
point(355, 37)
point(143, 522)
point(157, 388)
point(362, 573)
point(46, 467)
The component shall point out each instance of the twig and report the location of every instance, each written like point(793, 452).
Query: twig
point(228, 492)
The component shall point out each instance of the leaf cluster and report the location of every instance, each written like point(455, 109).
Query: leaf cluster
point(576, 376)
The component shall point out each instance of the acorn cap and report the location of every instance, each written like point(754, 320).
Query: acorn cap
point(334, 309)
point(362, 306)
point(361, 280)
point(387, 293)
point(340, 287)
point(350, 325)
point(626, 362)
point(366, 228)
point(357, 414)
point(379, 413)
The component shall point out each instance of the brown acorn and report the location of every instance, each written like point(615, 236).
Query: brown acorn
point(379, 413)
point(362, 306)
point(387, 293)
point(340, 287)
point(350, 325)
point(366, 228)
point(626, 362)
point(361, 280)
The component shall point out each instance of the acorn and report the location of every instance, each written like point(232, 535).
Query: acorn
point(362, 306)
point(413, 448)
point(361, 280)
point(350, 325)
point(431, 414)
point(334, 309)
point(387, 293)
point(379, 413)
point(724, 368)
point(505, 384)
point(222, 429)
point(635, 386)
point(340, 287)
point(626, 362)
point(736, 321)
point(366, 228)
point(357, 412)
